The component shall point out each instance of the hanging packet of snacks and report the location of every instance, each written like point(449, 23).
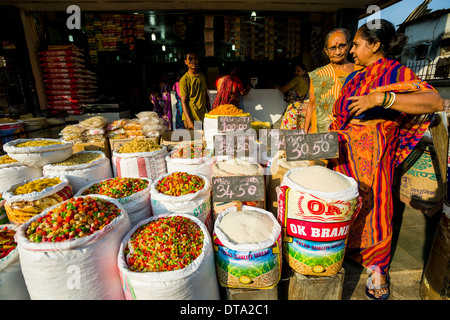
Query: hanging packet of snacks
point(13, 284)
point(316, 206)
point(29, 198)
point(12, 172)
point(191, 158)
point(38, 152)
point(139, 159)
point(181, 192)
point(82, 168)
point(247, 248)
point(78, 240)
point(132, 193)
point(188, 273)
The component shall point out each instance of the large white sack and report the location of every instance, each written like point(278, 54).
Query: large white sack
point(82, 174)
point(137, 205)
point(38, 156)
point(197, 281)
point(78, 269)
point(196, 204)
point(140, 164)
point(12, 283)
point(15, 172)
point(193, 166)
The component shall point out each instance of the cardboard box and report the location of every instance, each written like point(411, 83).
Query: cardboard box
point(93, 146)
point(116, 143)
point(180, 136)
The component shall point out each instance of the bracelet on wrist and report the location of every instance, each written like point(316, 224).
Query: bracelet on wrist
point(384, 100)
point(390, 101)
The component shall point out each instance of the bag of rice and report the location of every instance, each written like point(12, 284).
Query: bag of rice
point(186, 274)
point(30, 197)
point(139, 159)
point(236, 167)
point(316, 206)
point(247, 248)
point(12, 282)
point(181, 192)
point(38, 152)
point(82, 168)
point(81, 253)
point(132, 193)
point(12, 172)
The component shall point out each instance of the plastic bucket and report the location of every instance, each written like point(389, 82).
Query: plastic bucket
point(11, 131)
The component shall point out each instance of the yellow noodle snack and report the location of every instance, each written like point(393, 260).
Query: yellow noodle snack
point(36, 185)
point(138, 145)
point(37, 143)
point(6, 159)
point(226, 110)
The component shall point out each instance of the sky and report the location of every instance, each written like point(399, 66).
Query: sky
point(398, 12)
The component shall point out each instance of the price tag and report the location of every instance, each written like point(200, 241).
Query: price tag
point(238, 188)
point(234, 145)
point(230, 124)
point(312, 146)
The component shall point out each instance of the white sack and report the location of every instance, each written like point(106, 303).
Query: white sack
point(140, 164)
point(197, 281)
point(12, 283)
point(38, 156)
point(77, 269)
point(82, 174)
point(193, 166)
point(15, 172)
point(137, 205)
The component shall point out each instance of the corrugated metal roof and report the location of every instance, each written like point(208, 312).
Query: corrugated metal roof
point(421, 10)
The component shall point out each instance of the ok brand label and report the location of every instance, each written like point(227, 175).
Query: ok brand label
point(307, 207)
point(317, 231)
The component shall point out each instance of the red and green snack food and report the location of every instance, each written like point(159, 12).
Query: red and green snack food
point(77, 217)
point(164, 244)
point(7, 243)
point(117, 187)
point(179, 184)
point(191, 151)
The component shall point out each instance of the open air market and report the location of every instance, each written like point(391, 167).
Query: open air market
point(208, 150)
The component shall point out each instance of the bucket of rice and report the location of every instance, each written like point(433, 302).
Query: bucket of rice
point(247, 248)
point(316, 206)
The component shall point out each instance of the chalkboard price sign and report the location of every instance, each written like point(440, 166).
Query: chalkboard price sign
point(312, 146)
point(230, 124)
point(234, 145)
point(238, 188)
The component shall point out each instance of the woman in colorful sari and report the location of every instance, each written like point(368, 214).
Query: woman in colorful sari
point(297, 92)
point(382, 112)
point(228, 88)
point(160, 98)
point(326, 82)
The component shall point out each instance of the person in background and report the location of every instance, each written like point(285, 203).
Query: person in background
point(228, 88)
point(160, 98)
point(179, 115)
point(380, 115)
point(193, 92)
point(327, 81)
point(297, 92)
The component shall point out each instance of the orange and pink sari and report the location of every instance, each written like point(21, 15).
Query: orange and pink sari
point(369, 153)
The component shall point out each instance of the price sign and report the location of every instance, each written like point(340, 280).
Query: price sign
point(230, 124)
point(234, 145)
point(312, 146)
point(238, 188)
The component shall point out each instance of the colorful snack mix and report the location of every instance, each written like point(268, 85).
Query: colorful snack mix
point(36, 185)
point(117, 187)
point(7, 243)
point(75, 218)
point(191, 151)
point(179, 184)
point(164, 244)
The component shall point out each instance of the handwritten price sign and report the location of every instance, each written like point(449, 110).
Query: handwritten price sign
point(238, 188)
point(234, 145)
point(231, 124)
point(312, 146)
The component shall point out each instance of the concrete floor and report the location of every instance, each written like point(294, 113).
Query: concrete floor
point(413, 238)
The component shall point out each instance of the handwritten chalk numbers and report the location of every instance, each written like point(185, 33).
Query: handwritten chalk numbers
point(312, 146)
point(238, 188)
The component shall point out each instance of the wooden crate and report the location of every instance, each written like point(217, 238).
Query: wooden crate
point(93, 146)
point(302, 287)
